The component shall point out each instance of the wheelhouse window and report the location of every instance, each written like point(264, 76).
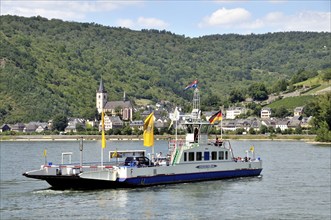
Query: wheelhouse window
point(221, 155)
point(214, 155)
point(226, 155)
point(206, 155)
point(185, 156)
point(199, 156)
point(191, 156)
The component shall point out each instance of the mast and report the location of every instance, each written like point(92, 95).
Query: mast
point(103, 137)
point(196, 113)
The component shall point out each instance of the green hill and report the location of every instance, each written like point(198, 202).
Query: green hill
point(51, 66)
point(291, 102)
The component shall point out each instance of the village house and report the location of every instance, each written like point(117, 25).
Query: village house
point(305, 122)
point(42, 128)
point(138, 124)
point(31, 127)
point(74, 123)
point(265, 112)
point(19, 127)
point(5, 128)
point(282, 124)
point(232, 113)
point(295, 122)
point(112, 122)
point(228, 125)
point(269, 122)
point(298, 111)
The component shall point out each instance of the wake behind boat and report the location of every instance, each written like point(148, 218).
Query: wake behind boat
point(190, 160)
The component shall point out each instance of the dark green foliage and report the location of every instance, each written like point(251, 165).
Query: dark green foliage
point(320, 108)
point(279, 86)
point(60, 122)
point(326, 74)
point(258, 91)
point(281, 112)
point(49, 67)
point(303, 75)
point(236, 96)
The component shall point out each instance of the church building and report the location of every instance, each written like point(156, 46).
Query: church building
point(122, 108)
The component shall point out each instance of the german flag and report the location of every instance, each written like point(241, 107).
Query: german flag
point(216, 117)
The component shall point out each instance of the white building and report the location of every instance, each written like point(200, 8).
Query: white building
point(111, 122)
point(232, 113)
point(265, 112)
point(283, 125)
point(123, 108)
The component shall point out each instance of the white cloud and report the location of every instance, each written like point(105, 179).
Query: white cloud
point(306, 21)
point(151, 23)
point(142, 22)
point(128, 23)
point(240, 18)
point(66, 10)
point(226, 17)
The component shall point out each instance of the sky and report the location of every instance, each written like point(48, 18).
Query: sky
point(190, 18)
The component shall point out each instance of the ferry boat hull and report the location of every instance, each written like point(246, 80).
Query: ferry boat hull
point(96, 180)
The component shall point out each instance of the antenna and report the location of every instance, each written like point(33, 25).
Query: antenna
point(196, 104)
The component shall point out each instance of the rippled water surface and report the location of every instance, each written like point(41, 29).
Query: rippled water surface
point(295, 184)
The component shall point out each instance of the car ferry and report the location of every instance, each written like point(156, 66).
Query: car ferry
point(192, 159)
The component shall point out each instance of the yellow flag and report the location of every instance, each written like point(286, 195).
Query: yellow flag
point(114, 154)
point(149, 131)
point(45, 152)
point(251, 149)
point(103, 140)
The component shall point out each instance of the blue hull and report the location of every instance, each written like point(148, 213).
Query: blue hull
point(75, 182)
point(191, 177)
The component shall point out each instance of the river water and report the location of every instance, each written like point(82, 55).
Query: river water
point(295, 184)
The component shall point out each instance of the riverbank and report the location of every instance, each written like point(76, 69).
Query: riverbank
point(306, 138)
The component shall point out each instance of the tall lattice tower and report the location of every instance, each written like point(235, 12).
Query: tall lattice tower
point(196, 113)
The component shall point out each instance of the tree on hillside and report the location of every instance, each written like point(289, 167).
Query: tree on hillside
point(279, 86)
point(60, 122)
point(236, 95)
point(322, 117)
point(258, 91)
point(326, 74)
point(281, 112)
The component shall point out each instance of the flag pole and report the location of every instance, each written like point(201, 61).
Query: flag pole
point(45, 155)
point(103, 138)
point(176, 133)
point(221, 129)
point(222, 110)
point(101, 158)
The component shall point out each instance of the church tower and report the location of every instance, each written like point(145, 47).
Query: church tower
point(101, 97)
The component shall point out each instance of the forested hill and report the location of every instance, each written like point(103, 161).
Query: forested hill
point(52, 66)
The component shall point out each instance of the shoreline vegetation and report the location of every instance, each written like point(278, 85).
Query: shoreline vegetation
point(271, 137)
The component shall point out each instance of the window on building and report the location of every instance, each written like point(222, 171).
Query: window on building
point(214, 155)
point(191, 156)
point(199, 156)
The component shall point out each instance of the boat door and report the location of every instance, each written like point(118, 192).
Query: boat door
point(206, 155)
